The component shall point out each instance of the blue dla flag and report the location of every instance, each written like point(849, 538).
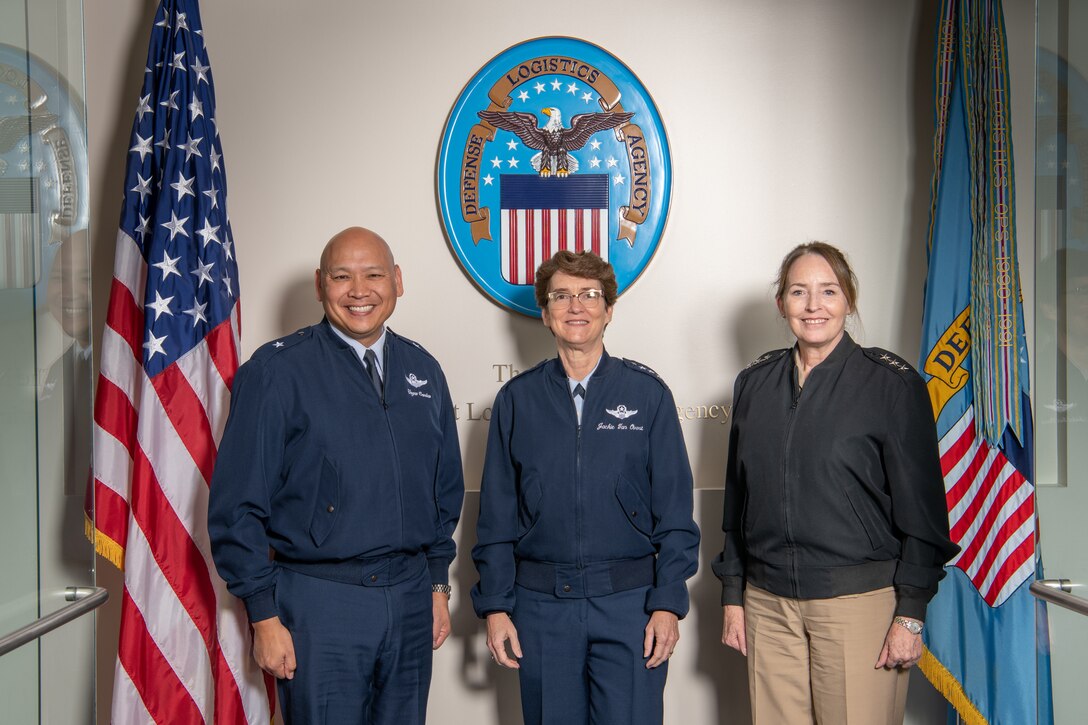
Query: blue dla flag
point(980, 636)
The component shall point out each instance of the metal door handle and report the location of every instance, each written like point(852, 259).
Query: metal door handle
point(1057, 591)
point(84, 599)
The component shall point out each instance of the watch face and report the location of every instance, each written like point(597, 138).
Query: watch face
point(911, 626)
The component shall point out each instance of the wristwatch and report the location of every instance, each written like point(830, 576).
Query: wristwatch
point(441, 589)
point(911, 625)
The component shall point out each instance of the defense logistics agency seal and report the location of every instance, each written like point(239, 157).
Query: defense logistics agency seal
point(554, 144)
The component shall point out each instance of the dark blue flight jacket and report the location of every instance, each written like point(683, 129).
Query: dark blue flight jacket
point(316, 466)
point(616, 488)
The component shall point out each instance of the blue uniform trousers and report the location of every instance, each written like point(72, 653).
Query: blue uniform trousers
point(583, 660)
point(363, 651)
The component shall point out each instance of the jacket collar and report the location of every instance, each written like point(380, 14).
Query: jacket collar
point(607, 364)
point(834, 361)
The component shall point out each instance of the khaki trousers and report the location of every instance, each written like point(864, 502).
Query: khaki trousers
point(811, 660)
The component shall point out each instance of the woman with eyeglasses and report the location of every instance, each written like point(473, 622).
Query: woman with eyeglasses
point(585, 536)
point(836, 530)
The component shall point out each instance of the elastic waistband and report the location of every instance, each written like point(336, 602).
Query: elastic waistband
point(378, 571)
point(569, 581)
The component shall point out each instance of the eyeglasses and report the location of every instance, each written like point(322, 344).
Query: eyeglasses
point(589, 298)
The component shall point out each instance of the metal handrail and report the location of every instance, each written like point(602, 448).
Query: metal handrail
point(84, 599)
point(1056, 591)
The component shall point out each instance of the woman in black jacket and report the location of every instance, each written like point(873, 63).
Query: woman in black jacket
point(836, 530)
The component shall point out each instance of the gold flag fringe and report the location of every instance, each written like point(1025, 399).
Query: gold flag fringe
point(104, 546)
point(947, 684)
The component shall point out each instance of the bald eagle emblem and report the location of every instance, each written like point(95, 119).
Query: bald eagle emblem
point(554, 142)
point(414, 381)
point(620, 412)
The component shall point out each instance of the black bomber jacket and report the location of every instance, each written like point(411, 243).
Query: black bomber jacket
point(834, 488)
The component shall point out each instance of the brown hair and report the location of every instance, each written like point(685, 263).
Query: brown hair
point(582, 264)
point(848, 282)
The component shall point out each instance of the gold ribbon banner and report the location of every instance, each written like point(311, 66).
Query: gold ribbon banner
point(478, 217)
point(944, 363)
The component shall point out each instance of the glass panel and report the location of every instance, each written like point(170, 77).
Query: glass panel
point(1061, 312)
point(45, 363)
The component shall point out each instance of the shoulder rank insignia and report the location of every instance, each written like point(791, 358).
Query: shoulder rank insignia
point(767, 357)
point(642, 368)
point(889, 359)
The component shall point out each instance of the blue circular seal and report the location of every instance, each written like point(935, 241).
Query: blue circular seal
point(554, 144)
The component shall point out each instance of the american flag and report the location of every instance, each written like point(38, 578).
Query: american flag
point(541, 216)
point(169, 354)
point(991, 512)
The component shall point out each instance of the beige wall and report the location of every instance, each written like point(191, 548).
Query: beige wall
point(788, 121)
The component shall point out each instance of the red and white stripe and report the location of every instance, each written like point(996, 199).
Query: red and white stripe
point(184, 650)
point(991, 512)
point(531, 236)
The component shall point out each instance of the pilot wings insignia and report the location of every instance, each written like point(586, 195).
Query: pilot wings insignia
point(620, 412)
point(414, 381)
point(552, 140)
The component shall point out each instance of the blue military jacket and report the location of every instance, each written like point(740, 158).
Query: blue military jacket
point(616, 487)
point(314, 464)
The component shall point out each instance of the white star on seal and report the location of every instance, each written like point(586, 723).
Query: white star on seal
point(496, 163)
point(524, 95)
point(617, 180)
point(488, 179)
point(539, 87)
point(557, 84)
point(511, 144)
point(572, 89)
point(611, 162)
point(513, 162)
point(587, 97)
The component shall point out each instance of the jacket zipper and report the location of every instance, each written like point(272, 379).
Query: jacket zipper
point(578, 502)
point(790, 418)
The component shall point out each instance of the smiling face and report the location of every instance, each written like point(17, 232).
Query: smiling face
point(69, 290)
point(814, 304)
point(358, 284)
point(577, 327)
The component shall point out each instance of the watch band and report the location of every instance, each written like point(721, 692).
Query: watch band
point(911, 625)
point(441, 589)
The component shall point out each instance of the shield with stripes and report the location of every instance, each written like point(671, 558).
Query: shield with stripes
point(541, 216)
point(554, 144)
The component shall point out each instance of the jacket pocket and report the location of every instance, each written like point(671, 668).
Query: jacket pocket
point(528, 506)
point(869, 521)
point(634, 506)
point(326, 504)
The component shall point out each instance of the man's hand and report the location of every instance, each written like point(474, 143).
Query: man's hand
point(662, 634)
point(500, 630)
point(733, 634)
point(273, 648)
point(440, 618)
